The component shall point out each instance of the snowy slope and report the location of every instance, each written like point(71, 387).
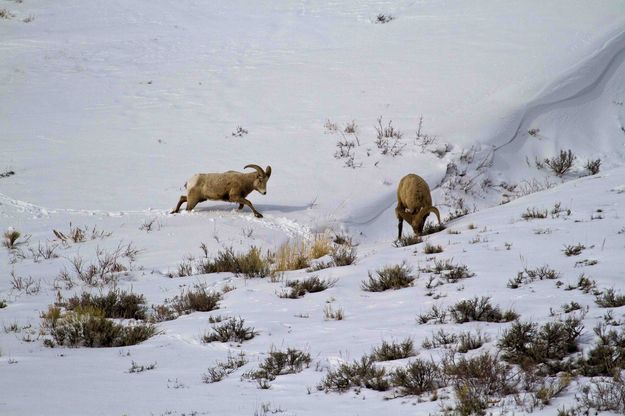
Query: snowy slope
point(107, 108)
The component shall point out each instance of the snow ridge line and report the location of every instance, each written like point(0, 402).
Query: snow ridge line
point(604, 62)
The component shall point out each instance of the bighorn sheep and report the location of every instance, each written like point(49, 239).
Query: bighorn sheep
point(228, 186)
point(414, 203)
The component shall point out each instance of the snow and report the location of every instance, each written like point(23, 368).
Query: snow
point(107, 108)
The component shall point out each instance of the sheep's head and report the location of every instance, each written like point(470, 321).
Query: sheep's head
point(411, 218)
point(262, 176)
point(417, 220)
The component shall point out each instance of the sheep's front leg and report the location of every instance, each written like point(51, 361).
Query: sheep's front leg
point(181, 201)
point(240, 207)
point(242, 201)
point(422, 223)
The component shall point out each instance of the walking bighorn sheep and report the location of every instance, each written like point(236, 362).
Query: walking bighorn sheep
point(414, 203)
point(228, 186)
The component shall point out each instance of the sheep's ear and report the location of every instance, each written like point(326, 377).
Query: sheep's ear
point(268, 171)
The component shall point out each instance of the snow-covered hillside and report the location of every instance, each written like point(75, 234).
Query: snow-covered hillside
point(107, 108)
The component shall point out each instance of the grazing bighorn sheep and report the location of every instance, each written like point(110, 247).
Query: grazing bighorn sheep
point(228, 186)
point(414, 203)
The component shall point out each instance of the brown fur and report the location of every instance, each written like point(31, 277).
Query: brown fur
point(414, 203)
point(228, 186)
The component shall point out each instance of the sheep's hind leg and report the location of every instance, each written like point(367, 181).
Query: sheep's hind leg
point(181, 201)
point(400, 225)
point(240, 207)
point(191, 203)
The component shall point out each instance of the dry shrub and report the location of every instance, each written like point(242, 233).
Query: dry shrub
point(363, 373)
point(199, 299)
point(527, 344)
point(593, 166)
point(77, 234)
point(534, 213)
point(431, 228)
point(609, 299)
point(418, 377)
point(562, 163)
point(436, 314)
point(90, 328)
point(408, 240)
point(313, 284)
point(292, 255)
point(139, 368)
point(196, 299)
point(552, 387)
point(389, 277)
point(393, 350)
point(331, 314)
point(432, 249)
point(343, 255)
point(389, 139)
point(571, 306)
point(224, 368)
point(232, 330)
point(476, 380)
point(451, 272)
point(383, 18)
point(297, 254)
point(250, 264)
point(573, 250)
point(480, 309)
point(440, 339)
point(607, 357)
point(27, 285)
point(115, 304)
point(148, 225)
point(11, 239)
point(43, 251)
point(106, 267)
point(278, 363)
point(6, 173)
point(530, 275)
point(6, 14)
point(185, 268)
point(320, 246)
point(468, 341)
point(464, 341)
point(343, 240)
point(584, 284)
point(604, 394)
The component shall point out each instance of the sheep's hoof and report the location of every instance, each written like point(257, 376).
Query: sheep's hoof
point(258, 215)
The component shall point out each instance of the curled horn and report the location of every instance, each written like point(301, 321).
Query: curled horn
point(425, 211)
point(258, 169)
point(437, 213)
